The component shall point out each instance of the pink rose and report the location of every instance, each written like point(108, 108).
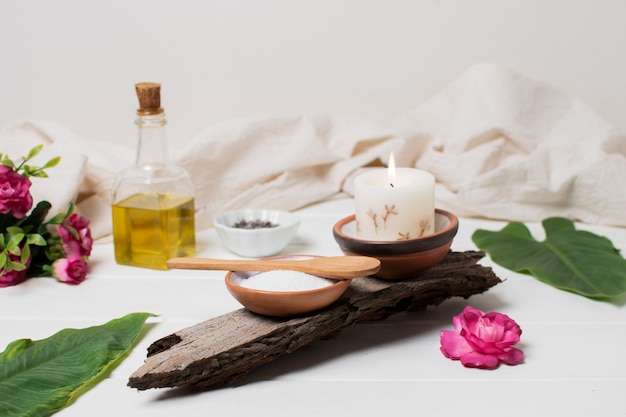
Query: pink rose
point(14, 193)
point(85, 241)
point(13, 277)
point(70, 270)
point(482, 340)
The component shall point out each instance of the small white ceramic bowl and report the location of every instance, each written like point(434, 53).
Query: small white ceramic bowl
point(260, 241)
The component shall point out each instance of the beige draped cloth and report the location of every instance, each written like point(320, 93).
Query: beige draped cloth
point(501, 146)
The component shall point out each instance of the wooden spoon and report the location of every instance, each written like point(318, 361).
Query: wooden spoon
point(336, 267)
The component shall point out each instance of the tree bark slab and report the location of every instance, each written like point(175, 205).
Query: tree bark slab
point(223, 349)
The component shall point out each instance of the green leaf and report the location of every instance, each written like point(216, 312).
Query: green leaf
point(29, 170)
point(7, 161)
point(16, 266)
point(14, 230)
point(37, 215)
point(39, 174)
point(52, 163)
point(72, 231)
point(25, 254)
point(38, 378)
point(57, 218)
point(569, 259)
point(34, 152)
point(35, 239)
point(13, 245)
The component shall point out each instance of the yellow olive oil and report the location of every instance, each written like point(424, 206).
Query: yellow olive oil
point(149, 229)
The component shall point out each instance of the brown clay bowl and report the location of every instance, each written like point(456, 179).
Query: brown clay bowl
point(400, 259)
point(283, 303)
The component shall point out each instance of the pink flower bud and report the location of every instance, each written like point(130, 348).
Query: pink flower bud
point(70, 271)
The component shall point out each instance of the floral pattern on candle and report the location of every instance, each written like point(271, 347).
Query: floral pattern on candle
point(389, 211)
point(425, 225)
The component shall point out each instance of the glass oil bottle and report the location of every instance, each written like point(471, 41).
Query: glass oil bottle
point(153, 201)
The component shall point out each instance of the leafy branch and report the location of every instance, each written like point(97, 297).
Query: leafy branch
point(30, 170)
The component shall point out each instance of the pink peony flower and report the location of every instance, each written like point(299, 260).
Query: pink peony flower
point(85, 241)
point(15, 195)
point(482, 340)
point(70, 270)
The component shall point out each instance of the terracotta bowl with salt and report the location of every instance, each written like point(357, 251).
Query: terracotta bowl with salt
point(283, 293)
point(400, 259)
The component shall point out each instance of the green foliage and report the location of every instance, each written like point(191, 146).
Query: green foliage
point(38, 378)
point(569, 259)
point(18, 238)
point(30, 170)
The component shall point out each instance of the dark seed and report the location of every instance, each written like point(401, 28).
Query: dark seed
point(253, 224)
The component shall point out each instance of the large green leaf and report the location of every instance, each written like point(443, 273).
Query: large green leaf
point(38, 378)
point(569, 259)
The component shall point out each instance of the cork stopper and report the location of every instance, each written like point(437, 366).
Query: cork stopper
point(149, 95)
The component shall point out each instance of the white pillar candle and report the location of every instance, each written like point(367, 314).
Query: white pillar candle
point(394, 204)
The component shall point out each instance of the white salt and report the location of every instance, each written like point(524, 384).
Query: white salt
point(285, 280)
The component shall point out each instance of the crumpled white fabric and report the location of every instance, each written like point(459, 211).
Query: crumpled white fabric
point(282, 163)
point(501, 146)
point(512, 148)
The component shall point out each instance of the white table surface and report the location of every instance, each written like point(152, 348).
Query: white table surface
point(575, 361)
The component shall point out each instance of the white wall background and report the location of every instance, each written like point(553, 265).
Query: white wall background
point(76, 61)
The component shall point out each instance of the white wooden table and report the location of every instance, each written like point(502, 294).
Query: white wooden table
point(575, 362)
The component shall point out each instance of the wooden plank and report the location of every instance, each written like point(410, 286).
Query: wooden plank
point(223, 349)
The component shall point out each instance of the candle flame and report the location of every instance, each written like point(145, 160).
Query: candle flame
point(391, 170)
